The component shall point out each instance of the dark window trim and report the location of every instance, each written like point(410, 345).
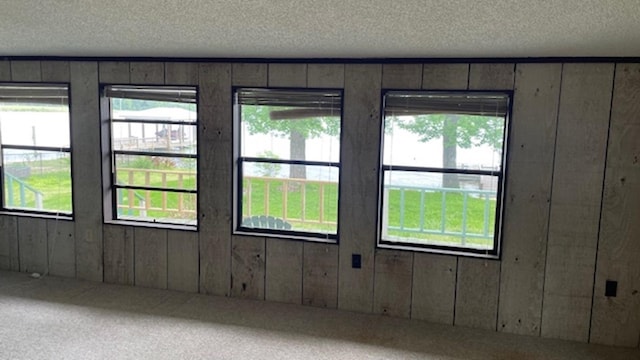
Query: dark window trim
point(113, 186)
point(63, 215)
point(495, 252)
point(237, 227)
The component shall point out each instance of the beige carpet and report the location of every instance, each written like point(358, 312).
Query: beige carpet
point(54, 318)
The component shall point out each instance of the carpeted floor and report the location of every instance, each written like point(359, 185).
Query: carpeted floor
point(54, 318)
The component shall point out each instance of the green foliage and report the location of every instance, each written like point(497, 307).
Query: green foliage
point(259, 121)
point(467, 130)
point(268, 169)
point(135, 104)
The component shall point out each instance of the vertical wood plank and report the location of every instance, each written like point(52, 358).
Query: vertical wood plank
point(182, 261)
point(118, 254)
point(479, 280)
point(26, 71)
point(9, 258)
point(288, 75)
point(147, 73)
point(401, 76)
point(248, 267)
point(86, 170)
point(528, 193)
point(616, 320)
point(393, 277)
point(583, 120)
point(5, 70)
point(283, 281)
point(445, 76)
point(249, 74)
point(181, 73)
point(320, 275)
point(215, 148)
point(61, 248)
point(32, 242)
point(150, 254)
point(491, 76)
point(434, 276)
point(325, 76)
point(477, 293)
point(55, 71)
point(358, 184)
point(434, 288)
point(114, 72)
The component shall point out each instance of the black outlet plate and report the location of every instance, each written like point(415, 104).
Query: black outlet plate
point(611, 288)
point(356, 261)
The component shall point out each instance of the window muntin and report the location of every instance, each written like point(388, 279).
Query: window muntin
point(35, 148)
point(442, 164)
point(154, 153)
point(287, 161)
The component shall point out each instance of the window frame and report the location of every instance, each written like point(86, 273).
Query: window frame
point(110, 214)
point(495, 251)
point(68, 150)
point(239, 160)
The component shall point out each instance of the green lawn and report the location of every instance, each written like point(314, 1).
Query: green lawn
point(303, 215)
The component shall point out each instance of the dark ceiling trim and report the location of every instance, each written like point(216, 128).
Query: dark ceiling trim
point(451, 60)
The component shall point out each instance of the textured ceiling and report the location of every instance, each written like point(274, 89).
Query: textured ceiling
point(320, 28)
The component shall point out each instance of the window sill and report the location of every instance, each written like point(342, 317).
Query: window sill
point(52, 216)
point(152, 225)
point(472, 253)
point(271, 235)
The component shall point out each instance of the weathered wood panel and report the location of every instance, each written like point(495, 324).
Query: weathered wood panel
point(248, 267)
point(32, 242)
point(215, 149)
point(150, 254)
point(478, 280)
point(182, 272)
point(320, 275)
point(528, 193)
point(434, 288)
point(288, 75)
point(114, 72)
point(61, 248)
point(118, 254)
point(616, 320)
point(5, 70)
point(477, 293)
point(9, 257)
point(283, 281)
point(86, 170)
point(401, 76)
point(445, 76)
point(491, 76)
point(147, 73)
point(26, 71)
point(249, 74)
point(583, 121)
point(325, 76)
point(359, 181)
point(181, 73)
point(393, 277)
point(55, 71)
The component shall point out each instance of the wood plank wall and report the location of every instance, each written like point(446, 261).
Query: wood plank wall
point(572, 200)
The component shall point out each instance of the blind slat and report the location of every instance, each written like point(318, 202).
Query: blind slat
point(425, 103)
point(157, 93)
point(34, 94)
point(310, 99)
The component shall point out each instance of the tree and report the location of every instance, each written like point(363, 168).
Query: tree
point(456, 130)
point(297, 125)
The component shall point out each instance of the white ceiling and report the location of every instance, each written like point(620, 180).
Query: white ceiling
point(320, 28)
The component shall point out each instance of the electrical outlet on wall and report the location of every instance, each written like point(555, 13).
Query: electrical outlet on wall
point(611, 288)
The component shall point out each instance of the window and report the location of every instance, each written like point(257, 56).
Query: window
point(153, 132)
point(442, 171)
point(287, 166)
point(35, 148)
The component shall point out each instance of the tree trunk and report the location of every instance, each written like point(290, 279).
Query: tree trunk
point(297, 148)
point(449, 151)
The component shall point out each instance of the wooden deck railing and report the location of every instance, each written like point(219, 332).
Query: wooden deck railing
point(143, 201)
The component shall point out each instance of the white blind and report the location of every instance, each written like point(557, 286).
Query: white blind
point(400, 103)
point(157, 93)
point(53, 94)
